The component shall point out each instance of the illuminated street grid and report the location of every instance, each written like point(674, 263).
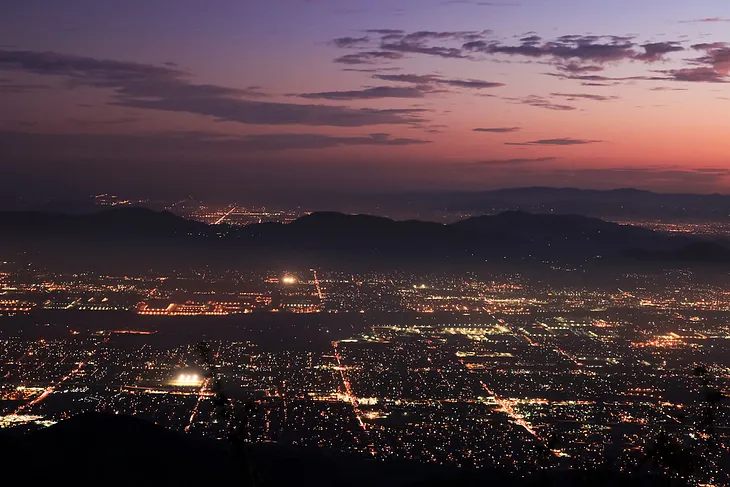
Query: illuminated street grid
point(488, 373)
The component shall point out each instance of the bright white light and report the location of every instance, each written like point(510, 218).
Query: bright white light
point(187, 380)
point(289, 280)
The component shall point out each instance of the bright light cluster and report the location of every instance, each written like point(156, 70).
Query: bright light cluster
point(289, 280)
point(188, 380)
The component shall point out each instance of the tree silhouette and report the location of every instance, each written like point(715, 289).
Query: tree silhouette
point(235, 418)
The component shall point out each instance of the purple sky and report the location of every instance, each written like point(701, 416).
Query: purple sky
point(225, 97)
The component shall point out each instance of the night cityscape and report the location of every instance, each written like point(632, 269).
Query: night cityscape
point(392, 243)
point(502, 372)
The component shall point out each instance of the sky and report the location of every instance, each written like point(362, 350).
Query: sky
point(259, 98)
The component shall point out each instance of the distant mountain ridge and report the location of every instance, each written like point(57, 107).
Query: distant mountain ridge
point(627, 204)
point(615, 203)
point(337, 239)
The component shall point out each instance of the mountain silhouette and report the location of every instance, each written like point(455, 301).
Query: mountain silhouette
point(98, 449)
point(148, 239)
point(614, 203)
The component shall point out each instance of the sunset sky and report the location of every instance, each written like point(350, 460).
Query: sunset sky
point(225, 97)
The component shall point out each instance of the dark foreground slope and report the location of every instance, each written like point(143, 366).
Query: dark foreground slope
point(98, 449)
point(139, 239)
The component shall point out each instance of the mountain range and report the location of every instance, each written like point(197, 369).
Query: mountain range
point(621, 204)
point(626, 204)
point(142, 237)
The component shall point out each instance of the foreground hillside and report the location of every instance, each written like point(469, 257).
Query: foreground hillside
point(96, 449)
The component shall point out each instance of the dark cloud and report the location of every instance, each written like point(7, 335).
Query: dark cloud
point(113, 121)
point(714, 66)
point(275, 142)
point(531, 39)
point(422, 36)
point(254, 92)
point(598, 49)
point(584, 96)
point(541, 102)
point(709, 45)
point(706, 20)
point(99, 72)
point(8, 86)
point(574, 56)
point(169, 89)
point(517, 160)
point(413, 48)
point(369, 93)
point(470, 83)
point(421, 42)
point(433, 79)
point(348, 42)
point(562, 142)
point(697, 75)
point(576, 68)
point(595, 78)
point(667, 88)
point(171, 144)
point(385, 32)
point(570, 53)
point(498, 130)
point(368, 57)
point(379, 69)
point(408, 78)
point(655, 51)
point(266, 113)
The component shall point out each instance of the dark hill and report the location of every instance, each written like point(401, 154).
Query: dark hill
point(697, 252)
point(553, 235)
point(99, 449)
point(136, 238)
point(116, 223)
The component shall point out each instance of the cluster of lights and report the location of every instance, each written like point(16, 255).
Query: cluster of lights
point(187, 380)
point(289, 280)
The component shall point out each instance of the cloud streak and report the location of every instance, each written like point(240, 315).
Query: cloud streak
point(565, 141)
point(167, 88)
point(497, 130)
point(349, 42)
point(541, 102)
point(707, 20)
point(517, 160)
point(584, 96)
point(426, 79)
point(369, 93)
point(24, 144)
point(368, 57)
